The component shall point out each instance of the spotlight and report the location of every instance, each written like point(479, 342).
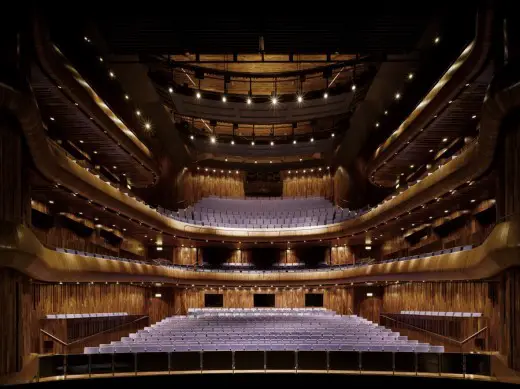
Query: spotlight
point(213, 139)
point(312, 139)
point(300, 99)
point(249, 101)
point(52, 119)
point(147, 126)
point(294, 142)
point(198, 95)
point(192, 137)
point(437, 40)
point(332, 135)
point(224, 99)
point(232, 142)
point(397, 96)
point(127, 97)
point(170, 89)
point(410, 76)
point(272, 143)
point(138, 113)
point(325, 95)
point(353, 87)
point(256, 161)
point(445, 139)
point(377, 124)
point(252, 143)
point(111, 74)
point(274, 100)
point(386, 112)
point(474, 117)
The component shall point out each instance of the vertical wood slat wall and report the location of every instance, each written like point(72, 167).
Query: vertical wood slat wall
point(14, 188)
point(308, 186)
point(338, 299)
point(480, 297)
point(193, 186)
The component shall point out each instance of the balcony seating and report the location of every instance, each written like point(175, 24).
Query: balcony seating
point(263, 329)
point(85, 315)
point(441, 314)
point(273, 212)
point(241, 267)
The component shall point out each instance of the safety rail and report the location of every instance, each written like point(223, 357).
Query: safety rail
point(74, 366)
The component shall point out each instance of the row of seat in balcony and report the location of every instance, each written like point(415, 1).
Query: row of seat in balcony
point(441, 314)
point(253, 213)
point(249, 268)
point(85, 315)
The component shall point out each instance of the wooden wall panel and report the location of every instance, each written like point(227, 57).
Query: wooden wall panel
point(308, 185)
point(508, 193)
point(448, 297)
point(193, 186)
point(471, 233)
point(64, 238)
point(341, 255)
point(186, 256)
point(508, 331)
point(341, 187)
point(14, 183)
point(338, 299)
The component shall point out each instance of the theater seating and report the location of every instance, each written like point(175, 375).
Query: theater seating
point(264, 329)
point(274, 212)
point(85, 315)
point(281, 267)
point(442, 314)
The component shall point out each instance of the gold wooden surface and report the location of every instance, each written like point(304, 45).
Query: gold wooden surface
point(193, 186)
point(469, 63)
point(308, 185)
point(21, 250)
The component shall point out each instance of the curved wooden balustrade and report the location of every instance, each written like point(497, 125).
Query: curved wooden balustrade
point(21, 250)
point(504, 97)
point(469, 64)
point(73, 85)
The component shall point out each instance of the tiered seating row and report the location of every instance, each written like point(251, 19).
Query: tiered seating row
point(85, 315)
point(264, 330)
point(261, 213)
point(442, 314)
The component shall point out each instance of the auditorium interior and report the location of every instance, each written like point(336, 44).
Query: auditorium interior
point(210, 199)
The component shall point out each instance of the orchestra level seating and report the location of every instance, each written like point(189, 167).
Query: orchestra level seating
point(264, 329)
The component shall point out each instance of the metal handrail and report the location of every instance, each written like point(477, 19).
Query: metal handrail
point(63, 343)
point(460, 343)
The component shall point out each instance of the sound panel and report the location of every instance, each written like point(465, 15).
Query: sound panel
point(213, 300)
point(314, 299)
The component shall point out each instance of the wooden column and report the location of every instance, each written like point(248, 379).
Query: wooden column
point(510, 317)
point(15, 201)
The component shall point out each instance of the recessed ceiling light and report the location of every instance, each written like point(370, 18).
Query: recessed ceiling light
point(224, 99)
point(52, 118)
point(81, 141)
point(377, 124)
point(437, 40)
point(473, 200)
point(213, 139)
point(198, 95)
point(138, 113)
point(226, 159)
point(51, 202)
point(299, 98)
point(410, 76)
point(431, 150)
point(192, 137)
point(252, 143)
point(474, 117)
point(232, 142)
point(332, 135)
point(256, 161)
point(353, 87)
point(445, 139)
point(100, 59)
point(236, 172)
point(127, 97)
point(170, 89)
point(325, 95)
point(451, 101)
point(397, 96)
point(272, 143)
point(249, 100)
point(301, 159)
point(111, 74)
point(411, 166)
point(274, 100)
point(294, 142)
point(386, 112)
point(445, 211)
point(312, 139)
point(270, 161)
